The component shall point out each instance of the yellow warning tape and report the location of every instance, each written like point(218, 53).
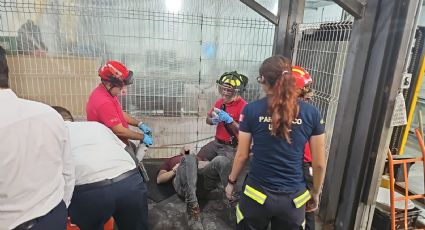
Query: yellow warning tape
point(254, 194)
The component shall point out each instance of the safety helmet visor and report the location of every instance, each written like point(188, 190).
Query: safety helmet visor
point(129, 79)
point(226, 90)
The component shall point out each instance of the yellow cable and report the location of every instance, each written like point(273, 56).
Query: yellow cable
point(413, 105)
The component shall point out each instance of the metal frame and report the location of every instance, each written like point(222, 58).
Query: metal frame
point(261, 10)
point(282, 35)
point(373, 74)
point(378, 51)
point(347, 111)
point(290, 12)
point(404, 19)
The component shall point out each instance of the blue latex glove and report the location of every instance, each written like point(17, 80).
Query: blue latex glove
point(215, 120)
point(145, 128)
point(147, 140)
point(225, 117)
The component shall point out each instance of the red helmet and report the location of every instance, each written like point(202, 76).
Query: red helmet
point(303, 78)
point(116, 73)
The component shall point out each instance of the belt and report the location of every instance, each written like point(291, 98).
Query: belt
point(224, 142)
point(102, 183)
point(307, 164)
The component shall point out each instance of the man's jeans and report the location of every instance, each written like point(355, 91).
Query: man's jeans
point(216, 173)
point(222, 152)
point(185, 180)
point(213, 175)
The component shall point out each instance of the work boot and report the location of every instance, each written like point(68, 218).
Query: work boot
point(193, 211)
point(194, 216)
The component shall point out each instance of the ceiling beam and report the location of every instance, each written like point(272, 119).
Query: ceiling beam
point(353, 7)
point(262, 11)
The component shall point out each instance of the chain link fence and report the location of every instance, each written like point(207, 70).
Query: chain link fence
point(176, 52)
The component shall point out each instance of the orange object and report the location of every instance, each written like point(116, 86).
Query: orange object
point(407, 197)
point(108, 225)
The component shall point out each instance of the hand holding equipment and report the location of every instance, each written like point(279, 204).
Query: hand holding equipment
point(225, 117)
point(147, 139)
point(145, 128)
point(215, 119)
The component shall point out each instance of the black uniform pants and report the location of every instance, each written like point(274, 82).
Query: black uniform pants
point(125, 200)
point(309, 216)
point(278, 210)
point(55, 219)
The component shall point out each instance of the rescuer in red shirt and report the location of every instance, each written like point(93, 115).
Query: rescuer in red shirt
point(103, 105)
point(225, 116)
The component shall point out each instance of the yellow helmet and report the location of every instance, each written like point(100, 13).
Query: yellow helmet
point(233, 79)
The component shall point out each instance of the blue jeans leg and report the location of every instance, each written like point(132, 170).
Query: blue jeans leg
point(186, 178)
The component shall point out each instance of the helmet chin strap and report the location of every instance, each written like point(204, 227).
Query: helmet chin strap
point(109, 90)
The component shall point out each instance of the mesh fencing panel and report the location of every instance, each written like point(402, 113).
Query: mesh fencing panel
point(321, 48)
point(56, 46)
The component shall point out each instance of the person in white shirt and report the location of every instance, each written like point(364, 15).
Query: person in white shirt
point(36, 169)
point(107, 180)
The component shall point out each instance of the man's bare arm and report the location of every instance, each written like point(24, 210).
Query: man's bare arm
point(126, 133)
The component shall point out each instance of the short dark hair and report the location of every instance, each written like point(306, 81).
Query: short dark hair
point(4, 69)
point(66, 115)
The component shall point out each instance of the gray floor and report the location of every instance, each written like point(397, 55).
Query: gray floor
point(171, 214)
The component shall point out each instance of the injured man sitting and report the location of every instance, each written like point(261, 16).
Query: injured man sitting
point(191, 175)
